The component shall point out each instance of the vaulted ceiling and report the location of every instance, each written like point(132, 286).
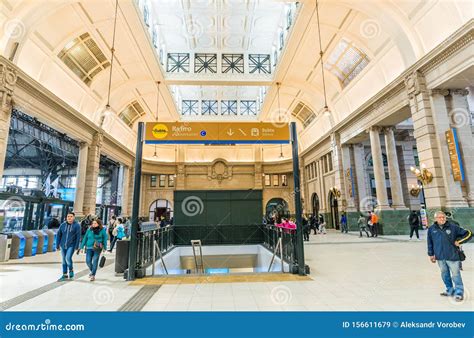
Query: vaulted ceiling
point(390, 36)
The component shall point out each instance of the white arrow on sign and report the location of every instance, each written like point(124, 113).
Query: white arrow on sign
point(243, 132)
point(230, 132)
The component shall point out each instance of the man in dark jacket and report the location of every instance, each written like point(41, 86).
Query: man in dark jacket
point(68, 240)
point(414, 222)
point(444, 239)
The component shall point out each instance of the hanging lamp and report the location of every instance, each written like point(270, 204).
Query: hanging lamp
point(321, 54)
point(107, 111)
point(155, 155)
point(279, 111)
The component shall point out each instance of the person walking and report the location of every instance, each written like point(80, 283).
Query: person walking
point(68, 239)
point(414, 222)
point(110, 228)
point(306, 228)
point(362, 223)
point(119, 233)
point(374, 219)
point(444, 240)
point(95, 240)
point(344, 227)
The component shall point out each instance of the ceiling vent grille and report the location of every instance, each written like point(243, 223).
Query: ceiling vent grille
point(84, 58)
point(132, 113)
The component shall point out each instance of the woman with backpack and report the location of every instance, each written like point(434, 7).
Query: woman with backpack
point(95, 240)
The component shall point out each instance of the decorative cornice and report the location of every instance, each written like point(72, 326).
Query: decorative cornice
point(8, 77)
point(453, 48)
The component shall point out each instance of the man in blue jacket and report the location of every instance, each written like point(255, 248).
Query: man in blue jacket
point(69, 238)
point(444, 239)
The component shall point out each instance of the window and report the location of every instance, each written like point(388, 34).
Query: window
point(232, 63)
point(281, 40)
point(248, 107)
point(178, 63)
point(229, 107)
point(209, 107)
point(190, 107)
point(131, 113)
point(162, 181)
point(346, 62)
point(153, 181)
point(205, 63)
point(314, 169)
point(170, 180)
point(259, 63)
point(154, 36)
point(284, 180)
point(267, 180)
point(276, 180)
point(330, 161)
point(84, 58)
point(303, 113)
point(33, 182)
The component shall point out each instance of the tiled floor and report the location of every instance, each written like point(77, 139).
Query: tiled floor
point(347, 272)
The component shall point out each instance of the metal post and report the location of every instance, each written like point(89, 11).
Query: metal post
point(298, 209)
point(132, 258)
point(153, 243)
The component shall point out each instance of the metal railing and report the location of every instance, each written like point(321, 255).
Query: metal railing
point(271, 235)
point(150, 236)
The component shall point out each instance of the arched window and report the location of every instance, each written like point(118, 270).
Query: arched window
point(161, 208)
point(370, 161)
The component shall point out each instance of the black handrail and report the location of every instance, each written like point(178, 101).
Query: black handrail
point(146, 239)
point(272, 233)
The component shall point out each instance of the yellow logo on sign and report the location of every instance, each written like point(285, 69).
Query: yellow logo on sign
point(160, 131)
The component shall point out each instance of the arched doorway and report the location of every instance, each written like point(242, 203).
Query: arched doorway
point(161, 208)
point(277, 206)
point(334, 215)
point(315, 205)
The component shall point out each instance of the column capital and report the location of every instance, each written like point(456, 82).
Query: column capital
point(377, 129)
point(438, 91)
point(388, 129)
point(8, 77)
point(459, 91)
point(415, 83)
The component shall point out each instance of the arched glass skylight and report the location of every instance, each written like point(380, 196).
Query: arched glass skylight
point(346, 62)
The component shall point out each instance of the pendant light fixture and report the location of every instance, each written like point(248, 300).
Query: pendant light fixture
point(321, 54)
point(155, 155)
point(107, 111)
point(279, 111)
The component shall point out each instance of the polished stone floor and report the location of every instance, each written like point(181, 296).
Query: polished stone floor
point(348, 273)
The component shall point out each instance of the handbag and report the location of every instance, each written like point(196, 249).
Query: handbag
point(462, 255)
point(102, 261)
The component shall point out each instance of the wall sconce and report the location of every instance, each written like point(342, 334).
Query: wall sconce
point(423, 175)
point(335, 191)
point(415, 190)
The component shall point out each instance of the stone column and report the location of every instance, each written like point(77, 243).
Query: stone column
point(460, 117)
point(125, 187)
point(339, 182)
point(452, 189)
point(426, 138)
point(323, 203)
point(8, 79)
point(92, 173)
point(361, 177)
point(394, 169)
point(409, 178)
point(379, 172)
point(347, 177)
point(81, 179)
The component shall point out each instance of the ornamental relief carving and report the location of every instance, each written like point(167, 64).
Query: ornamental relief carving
point(219, 170)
